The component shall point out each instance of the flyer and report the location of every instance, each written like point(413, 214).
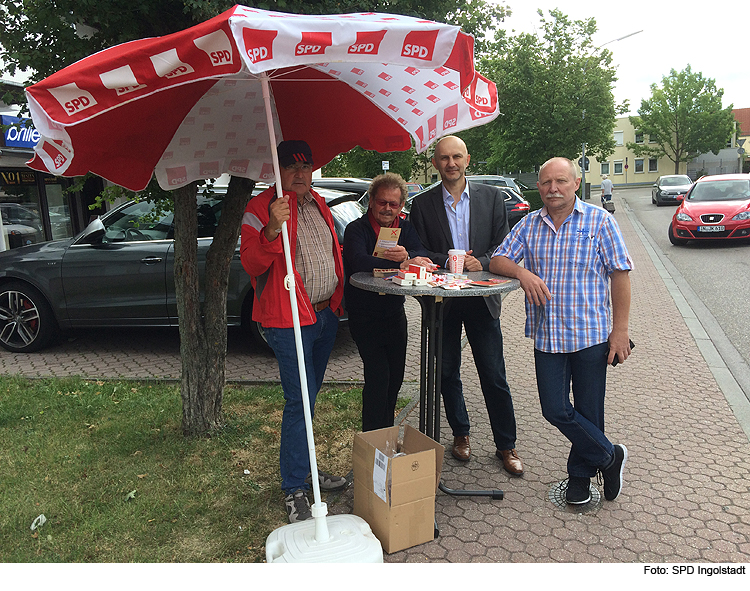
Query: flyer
point(388, 238)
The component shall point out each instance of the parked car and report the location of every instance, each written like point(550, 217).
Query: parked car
point(119, 272)
point(21, 225)
point(346, 184)
point(715, 207)
point(414, 188)
point(669, 187)
point(521, 186)
point(495, 180)
point(515, 204)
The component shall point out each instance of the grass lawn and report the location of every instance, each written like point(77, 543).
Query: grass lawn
point(107, 465)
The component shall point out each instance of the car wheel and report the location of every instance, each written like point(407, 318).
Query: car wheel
point(27, 323)
point(674, 240)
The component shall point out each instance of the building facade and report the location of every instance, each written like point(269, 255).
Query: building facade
point(35, 207)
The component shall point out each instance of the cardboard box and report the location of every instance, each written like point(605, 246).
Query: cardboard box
point(396, 495)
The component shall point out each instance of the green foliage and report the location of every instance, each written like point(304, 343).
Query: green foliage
point(554, 94)
point(368, 164)
point(684, 118)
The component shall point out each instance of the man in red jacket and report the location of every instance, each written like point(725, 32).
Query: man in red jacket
point(319, 285)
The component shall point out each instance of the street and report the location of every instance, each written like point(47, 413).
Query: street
point(715, 270)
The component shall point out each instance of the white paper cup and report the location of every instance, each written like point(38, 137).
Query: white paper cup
point(456, 260)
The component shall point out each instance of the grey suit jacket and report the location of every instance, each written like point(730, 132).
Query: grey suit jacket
point(488, 225)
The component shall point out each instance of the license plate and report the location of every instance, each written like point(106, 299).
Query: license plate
point(710, 228)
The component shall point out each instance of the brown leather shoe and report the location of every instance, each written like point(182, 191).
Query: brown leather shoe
point(511, 461)
point(461, 448)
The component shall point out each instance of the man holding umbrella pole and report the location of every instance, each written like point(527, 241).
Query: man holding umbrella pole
point(319, 284)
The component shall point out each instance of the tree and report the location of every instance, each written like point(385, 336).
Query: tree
point(684, 118)
point(554, 94)
point(358, 162)
point(43, 37)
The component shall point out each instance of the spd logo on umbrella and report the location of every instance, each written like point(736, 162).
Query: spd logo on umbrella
point(368, 43)
point(258, 44)
point(313, 43)
point(73, 99)
point(420, 45)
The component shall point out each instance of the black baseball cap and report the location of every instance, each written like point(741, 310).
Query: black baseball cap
point(293, 151)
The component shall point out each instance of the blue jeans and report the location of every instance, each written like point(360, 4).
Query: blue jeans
point(582, 423)
point(317, 342)
point(486, 340)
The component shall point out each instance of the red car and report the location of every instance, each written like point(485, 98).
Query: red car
point(715, 207)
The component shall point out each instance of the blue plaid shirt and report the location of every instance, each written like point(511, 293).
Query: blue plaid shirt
point(575, 263)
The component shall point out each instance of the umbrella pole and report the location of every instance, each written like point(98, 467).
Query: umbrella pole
point(319, 509)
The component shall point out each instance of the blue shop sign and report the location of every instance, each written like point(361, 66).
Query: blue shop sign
point(19, 136)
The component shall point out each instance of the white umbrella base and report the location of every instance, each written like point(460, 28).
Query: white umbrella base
point(350, 539)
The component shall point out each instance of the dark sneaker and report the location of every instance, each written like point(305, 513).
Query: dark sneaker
point(297, 506)
point(578, 491)
point(328, 482)
point(613, 473)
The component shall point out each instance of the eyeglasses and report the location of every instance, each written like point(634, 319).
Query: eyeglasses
point(299, 166)
point(390, 204)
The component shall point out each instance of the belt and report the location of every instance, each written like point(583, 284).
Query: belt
point(322, 305)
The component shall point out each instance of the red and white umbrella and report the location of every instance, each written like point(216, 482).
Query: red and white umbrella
point(216, 98)
point(190, 105)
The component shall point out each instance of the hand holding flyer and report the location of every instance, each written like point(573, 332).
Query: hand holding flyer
point(388, 238)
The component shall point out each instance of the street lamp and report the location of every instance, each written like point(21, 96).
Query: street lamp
point(583, 151)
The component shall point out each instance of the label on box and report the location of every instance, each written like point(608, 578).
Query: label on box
point(380, 474)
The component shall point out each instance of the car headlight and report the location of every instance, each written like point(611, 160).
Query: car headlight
point(745, 215)
point(683, 217)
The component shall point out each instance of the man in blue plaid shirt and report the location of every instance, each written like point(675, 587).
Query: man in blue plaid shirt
point(572, 252)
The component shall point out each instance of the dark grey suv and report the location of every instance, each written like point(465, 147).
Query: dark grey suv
point(119, 272)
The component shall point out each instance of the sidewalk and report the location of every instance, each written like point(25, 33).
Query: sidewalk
point(687, 483)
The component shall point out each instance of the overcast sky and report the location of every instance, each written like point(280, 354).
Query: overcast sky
point(710, 36)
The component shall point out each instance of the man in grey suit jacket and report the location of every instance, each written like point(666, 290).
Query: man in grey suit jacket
point(472, 217)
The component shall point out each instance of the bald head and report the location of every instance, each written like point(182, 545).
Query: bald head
point(451, 159)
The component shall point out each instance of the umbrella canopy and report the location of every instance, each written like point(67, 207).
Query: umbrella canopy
point(190, 106)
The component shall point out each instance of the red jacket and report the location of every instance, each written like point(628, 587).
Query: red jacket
point(264, 262)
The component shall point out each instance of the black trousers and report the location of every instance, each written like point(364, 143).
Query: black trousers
point(381, 342)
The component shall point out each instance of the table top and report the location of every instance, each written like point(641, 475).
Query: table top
point(367, 282)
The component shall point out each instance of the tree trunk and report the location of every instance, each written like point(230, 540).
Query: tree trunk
point(203, 328)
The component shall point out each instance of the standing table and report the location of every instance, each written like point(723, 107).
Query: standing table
point(433, 302)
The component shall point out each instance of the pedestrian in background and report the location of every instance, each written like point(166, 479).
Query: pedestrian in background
point(606, 189)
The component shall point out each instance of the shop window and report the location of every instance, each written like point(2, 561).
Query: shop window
point(59, 212)
point(20, 210)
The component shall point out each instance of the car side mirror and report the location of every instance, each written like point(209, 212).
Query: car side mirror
point(93, 232)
